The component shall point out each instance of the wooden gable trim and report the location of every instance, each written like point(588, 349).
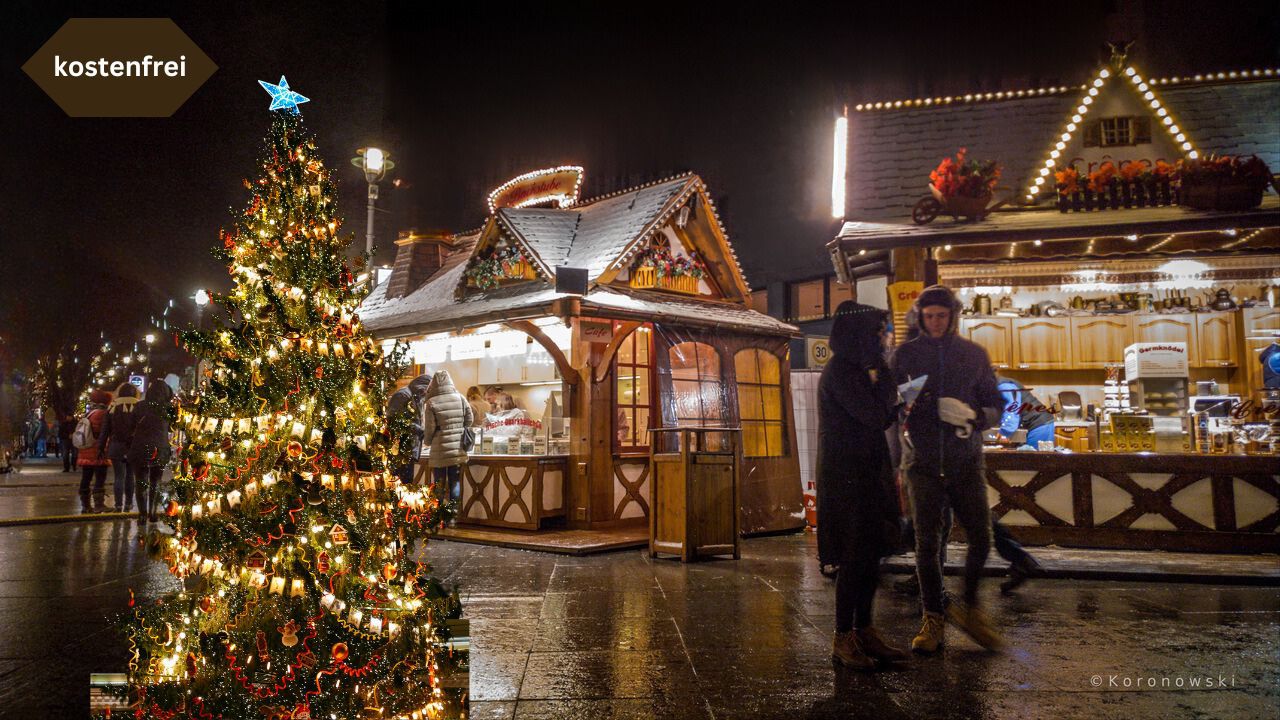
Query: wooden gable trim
point(723, 264)
point(510, 231)
point(611, 273)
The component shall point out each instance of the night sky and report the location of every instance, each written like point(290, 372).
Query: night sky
point(103, 220)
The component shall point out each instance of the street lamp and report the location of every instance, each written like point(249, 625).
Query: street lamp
point(375, 163)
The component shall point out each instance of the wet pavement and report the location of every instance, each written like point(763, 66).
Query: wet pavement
point(623, 636)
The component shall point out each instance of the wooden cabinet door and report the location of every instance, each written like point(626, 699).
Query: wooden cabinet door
point(1261, 326)
point(994, 334)
point(1041, 343)
point(1216, 337)
point(1168, 328)
point(1099, 340)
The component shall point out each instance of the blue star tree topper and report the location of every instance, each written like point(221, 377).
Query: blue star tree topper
point(282, 98)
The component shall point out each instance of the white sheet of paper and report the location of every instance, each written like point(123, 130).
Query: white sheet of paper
point(909, 390)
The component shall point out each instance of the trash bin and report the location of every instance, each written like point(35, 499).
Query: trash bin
point(693, 497)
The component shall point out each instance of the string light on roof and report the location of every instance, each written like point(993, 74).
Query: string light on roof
point(1033, 92)
point(1143, 87)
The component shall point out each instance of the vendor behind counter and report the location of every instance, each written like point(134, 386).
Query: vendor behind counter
point(1024, 411)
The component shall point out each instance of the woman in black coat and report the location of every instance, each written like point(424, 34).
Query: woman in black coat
point(149, 449)
point(857, 503)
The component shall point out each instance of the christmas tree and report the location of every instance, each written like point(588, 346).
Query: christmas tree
point(301, 594)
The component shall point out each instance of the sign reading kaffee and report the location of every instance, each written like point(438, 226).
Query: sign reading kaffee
point(119, 67)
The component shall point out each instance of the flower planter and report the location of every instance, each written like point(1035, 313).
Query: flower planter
point(1221, 194)
point(646, 277)
point(681, 283)
point(520, 270)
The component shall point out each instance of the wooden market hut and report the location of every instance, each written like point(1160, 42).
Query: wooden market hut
point(657, 333)
point(1064, 255)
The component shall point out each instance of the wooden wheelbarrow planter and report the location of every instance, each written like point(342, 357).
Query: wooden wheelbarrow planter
point(972, 209)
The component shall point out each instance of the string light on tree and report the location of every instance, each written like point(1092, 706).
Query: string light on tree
point(303, 595)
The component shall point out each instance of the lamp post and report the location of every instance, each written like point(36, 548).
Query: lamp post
point(375, 163)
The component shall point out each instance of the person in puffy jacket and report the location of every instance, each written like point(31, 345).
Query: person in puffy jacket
point(114, 443)
point(446, 414)
point(92, 463)
point(149, 449)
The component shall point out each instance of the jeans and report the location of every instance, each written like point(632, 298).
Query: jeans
point(68, 454)
point(122, 484)
point(933, 497)
point(147, 490)
point(450, 480)
point(97, 474)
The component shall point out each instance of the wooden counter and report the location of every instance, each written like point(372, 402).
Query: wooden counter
point(1217, 503)
point(515, 491)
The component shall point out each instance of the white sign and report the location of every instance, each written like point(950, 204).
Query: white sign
point(817, 351)
point(1155, 360)
point(139, 382)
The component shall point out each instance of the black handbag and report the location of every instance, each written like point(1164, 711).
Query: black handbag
point(468, 439)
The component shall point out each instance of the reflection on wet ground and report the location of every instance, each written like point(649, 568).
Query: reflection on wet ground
point(624, 636)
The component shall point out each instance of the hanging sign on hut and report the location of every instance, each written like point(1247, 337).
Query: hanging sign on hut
point(559, 185)
point(600, 333)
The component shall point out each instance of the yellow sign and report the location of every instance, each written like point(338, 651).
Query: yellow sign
point(817, 351)
point(902, 295)
point(559, 185)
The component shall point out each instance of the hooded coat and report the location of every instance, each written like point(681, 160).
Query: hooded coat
point(114, 441)
point(149, 442)
point(410, 397)
point(858, 507)
point(446, 415)
point(957, 368)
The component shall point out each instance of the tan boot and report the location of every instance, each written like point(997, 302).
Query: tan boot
point(930, 637)
point(846, 651)
point(873, 644)
point(975, 623)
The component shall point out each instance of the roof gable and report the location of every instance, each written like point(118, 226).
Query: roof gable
point(894, 145)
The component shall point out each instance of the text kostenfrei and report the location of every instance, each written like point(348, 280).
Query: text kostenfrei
point(148, 66)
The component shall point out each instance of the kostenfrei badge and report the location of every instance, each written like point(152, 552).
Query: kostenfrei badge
point(119, 67)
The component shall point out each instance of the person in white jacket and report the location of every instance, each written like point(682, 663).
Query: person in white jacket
point(446, 414)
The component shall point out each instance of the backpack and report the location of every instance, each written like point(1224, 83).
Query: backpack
point(83, 437)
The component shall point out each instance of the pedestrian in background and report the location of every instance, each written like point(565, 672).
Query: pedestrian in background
point(446, 416)
point(480, 408)
point(942, 455)
point(411, 398)
point(858, 510)
point(115, 444)
point(66, 426)
point(93, 464)
point(149, 449)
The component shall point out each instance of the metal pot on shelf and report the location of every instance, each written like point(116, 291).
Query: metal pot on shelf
point(982, 304)
point(1222, 300)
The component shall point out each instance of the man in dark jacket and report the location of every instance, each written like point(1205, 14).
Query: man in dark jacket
point(65, 428)
point(114, 443)
point(942, 455)
point(410, 397)
point(149, 450)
